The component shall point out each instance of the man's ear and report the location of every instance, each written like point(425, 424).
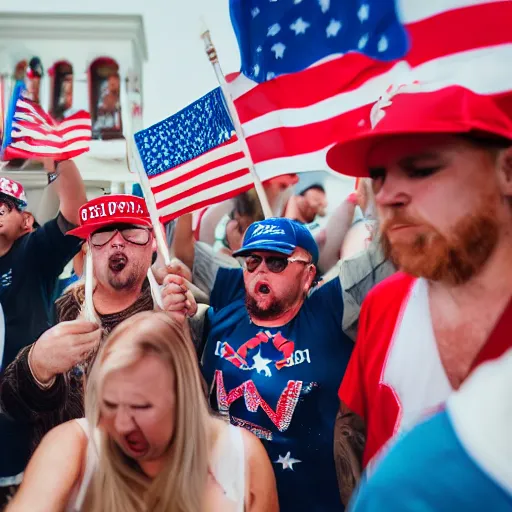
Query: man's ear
point(505, 172)
point(28, 221)
point(310, 279)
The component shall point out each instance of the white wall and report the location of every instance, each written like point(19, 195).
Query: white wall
point(177, 71)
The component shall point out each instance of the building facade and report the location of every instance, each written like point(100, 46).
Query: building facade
point(70, 62)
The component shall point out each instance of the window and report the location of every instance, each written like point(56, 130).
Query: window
point(61, 90)
point(105, 105)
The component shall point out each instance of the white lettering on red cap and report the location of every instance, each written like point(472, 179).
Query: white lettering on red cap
point(112, 209)
point(377, 113)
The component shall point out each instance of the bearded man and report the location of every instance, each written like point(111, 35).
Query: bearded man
point(275, 350)
point(442, 179)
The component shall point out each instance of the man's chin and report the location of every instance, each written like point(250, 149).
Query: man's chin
point(263, 309)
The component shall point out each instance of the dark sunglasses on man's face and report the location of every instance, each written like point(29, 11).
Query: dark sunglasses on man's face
point(275, 264)
point(134, 235)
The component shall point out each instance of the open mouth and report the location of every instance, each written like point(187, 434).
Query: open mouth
point(117, 262)
point(263, 288)
point(136, 443)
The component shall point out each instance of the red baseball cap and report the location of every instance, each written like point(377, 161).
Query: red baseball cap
point(111, 209)
point(410, 110)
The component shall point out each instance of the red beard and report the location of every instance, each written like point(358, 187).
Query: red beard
point(453, 259)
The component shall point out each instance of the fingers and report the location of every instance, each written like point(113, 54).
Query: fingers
point(87, 339)
point(190, 303)
point(78, 326)
point(175, 279)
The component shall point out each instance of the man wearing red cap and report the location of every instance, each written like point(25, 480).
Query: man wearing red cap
point(441, 166)
point(43, 386)
point(31, 261)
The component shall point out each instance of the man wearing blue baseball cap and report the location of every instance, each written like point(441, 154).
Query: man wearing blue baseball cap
point(275, 352)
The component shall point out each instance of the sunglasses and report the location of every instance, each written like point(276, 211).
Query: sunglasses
point(136, 236)
point(275, 264)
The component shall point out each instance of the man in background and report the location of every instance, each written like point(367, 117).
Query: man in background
point(31, 261)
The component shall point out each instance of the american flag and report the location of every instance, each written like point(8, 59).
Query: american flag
point(193, 158)
point(32, 133)
point(311, 69)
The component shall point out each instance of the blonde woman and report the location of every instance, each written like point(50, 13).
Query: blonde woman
point(153, 445)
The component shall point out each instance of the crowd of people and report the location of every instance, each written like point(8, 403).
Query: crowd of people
point(275, 364)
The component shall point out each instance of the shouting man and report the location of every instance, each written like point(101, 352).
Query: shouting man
point(275, 353)
point(443, 190)
point(43, 386)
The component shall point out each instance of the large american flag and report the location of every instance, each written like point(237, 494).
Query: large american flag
point(193, 159)
point(32, 133)
point(311, 69)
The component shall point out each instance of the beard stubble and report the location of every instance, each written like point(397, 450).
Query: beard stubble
point(453, 259)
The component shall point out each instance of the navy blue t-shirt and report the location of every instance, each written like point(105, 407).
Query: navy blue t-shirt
point(281, 383)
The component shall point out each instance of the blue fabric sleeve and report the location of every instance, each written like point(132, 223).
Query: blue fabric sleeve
point(52, 249)
point(328, 299)
point(228, 287)
point(428, 470)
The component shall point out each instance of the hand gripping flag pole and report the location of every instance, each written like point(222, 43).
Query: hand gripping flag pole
point(214, 60)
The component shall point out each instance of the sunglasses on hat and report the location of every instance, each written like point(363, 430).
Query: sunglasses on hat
point(276, 264)
point(134, 235)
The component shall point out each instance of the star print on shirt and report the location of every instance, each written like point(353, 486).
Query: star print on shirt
point(287, 461)
point(260, 364)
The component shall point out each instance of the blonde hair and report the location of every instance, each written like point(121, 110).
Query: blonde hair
point(118, 484)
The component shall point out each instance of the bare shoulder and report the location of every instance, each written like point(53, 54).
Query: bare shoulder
point(53, 471)
point(261, 490)
point(70, 433)
point(253, 447)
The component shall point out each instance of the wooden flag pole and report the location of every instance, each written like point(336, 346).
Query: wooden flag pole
point(212, 56)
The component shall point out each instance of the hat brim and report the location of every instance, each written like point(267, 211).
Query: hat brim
point(266, 246)
point(86, 230)
point(350, 157)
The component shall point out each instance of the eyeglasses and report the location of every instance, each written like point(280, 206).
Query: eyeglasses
point(275, 264)
point(136, 236)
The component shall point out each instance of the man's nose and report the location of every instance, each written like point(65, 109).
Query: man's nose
point(393, 190)
point(123, 423)
point(117, 240)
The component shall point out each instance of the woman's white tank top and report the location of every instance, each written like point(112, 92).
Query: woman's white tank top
point(228, 466)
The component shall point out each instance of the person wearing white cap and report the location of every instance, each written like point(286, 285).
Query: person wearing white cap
point(31, 261)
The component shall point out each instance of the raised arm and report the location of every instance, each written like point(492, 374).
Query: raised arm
point(334, 233)
point(183, 241)
point(53, 471)
point(69, 187)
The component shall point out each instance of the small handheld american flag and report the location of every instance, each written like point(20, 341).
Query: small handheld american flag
point(32, 133)
point(193, 158)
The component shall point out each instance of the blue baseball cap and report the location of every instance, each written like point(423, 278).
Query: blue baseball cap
point(278, 235)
